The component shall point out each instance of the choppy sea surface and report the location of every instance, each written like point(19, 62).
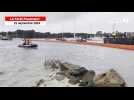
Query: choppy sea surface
point(21, 67)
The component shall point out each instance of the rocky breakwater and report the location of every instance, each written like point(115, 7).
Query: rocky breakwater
point(64, 74)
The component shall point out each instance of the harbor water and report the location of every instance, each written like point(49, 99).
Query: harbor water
point(22, 67)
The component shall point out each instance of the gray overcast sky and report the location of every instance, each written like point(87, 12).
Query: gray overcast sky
point(75, 21)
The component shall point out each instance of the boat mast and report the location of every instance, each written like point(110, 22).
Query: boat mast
point(62, 28)
point(74, 26)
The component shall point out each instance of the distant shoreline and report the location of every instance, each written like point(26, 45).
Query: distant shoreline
point(118, 46)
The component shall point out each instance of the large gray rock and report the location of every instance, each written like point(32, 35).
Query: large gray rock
point(64, 66)
point(74, 80)
point(73, 72)
point(88, 79)
point(109, 79)
point(78, 71)
point(67, 66)
point(59, 76)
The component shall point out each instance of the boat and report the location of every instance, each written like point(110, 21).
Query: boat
point(5, 38)
point(28, 46)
